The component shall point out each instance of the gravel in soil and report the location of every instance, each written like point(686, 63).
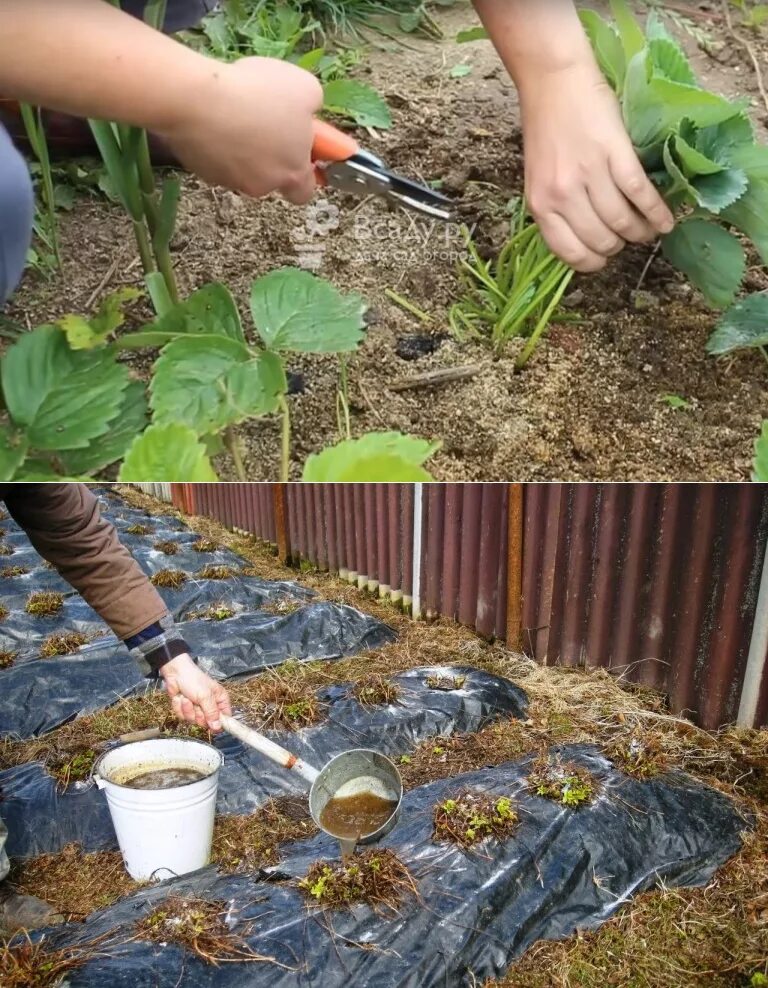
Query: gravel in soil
point(591, 404)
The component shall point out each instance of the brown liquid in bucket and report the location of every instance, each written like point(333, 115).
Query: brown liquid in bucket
point(164, 778)
point(353, 817)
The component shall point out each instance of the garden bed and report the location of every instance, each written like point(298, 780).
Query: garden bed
point(594, 400)
point(715, 934)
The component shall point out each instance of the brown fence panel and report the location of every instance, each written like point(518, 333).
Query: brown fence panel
point(656, 582)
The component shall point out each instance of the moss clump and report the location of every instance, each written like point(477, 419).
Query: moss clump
point(472, 817)
point(205, 545)
point(199, 927)
point(446, 683)
point(375, 691)
point(139, 530)
point(640, 755)
point(168, 548)
point(66, 644)
point(7, 659)
point(45, 603)
point(5, 549)
point(564, 783)
point(9, 571)
point(376, 877)
point(216, 573)
point(169, 578)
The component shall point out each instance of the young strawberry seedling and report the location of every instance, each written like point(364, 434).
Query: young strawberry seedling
point(44, 603)
point(471, 817)
point(564, 783)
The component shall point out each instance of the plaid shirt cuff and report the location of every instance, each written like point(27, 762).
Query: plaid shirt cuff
point(156, 645)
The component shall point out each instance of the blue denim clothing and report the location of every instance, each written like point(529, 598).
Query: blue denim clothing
point(17, 210)
point(179, 15)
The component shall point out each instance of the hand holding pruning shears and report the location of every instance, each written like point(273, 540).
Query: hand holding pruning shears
point(264, 112)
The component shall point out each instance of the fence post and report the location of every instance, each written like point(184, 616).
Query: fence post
point(756, 659)
point(515, 566)
point(282, 536)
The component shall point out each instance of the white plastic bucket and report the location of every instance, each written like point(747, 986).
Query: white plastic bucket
point(161, 832)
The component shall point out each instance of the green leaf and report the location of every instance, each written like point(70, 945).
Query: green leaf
point(471, 34)
point(83, 334)
point(378, 456)
point(750, 214)
point(63, 398)
point(760, 462)
point(13, 450)
point(167, 452)
point(719, 141)
point(607, 47)
point(210, 311)
point(676, 402)
point(459, 71)
point(670, 60)
point(694, 161)
point(717, 192)
point(167, 213)
point(745, 324)
point(294, 310)
point(632, 37)
point(654, 106)
point(129, 422)
point(655, 29)
point(709, 256)
point(357, 101)
point(209, 385)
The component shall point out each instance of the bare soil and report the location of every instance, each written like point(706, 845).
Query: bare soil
point(590, 405)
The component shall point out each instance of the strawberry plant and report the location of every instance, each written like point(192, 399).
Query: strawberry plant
point(72, 408)
point(698, 147)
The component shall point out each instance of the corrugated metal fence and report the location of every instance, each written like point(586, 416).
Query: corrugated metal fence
point(658, 583)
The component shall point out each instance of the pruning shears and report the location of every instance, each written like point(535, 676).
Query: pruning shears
point(341, 163)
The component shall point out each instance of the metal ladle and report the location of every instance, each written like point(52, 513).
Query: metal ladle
point(351, 773)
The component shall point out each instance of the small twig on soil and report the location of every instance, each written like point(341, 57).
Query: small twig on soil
point(104, 282)
point(443, 375)
point(748, 48)
point(651, 258)
point(404, 303)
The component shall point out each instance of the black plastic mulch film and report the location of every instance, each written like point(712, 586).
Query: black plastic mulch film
point(563, 869)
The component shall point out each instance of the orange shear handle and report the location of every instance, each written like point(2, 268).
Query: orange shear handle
point(330, 145)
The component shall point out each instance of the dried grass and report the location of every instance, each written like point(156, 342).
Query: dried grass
point(205, 545)
point(5, 549)
point(167, 548)
point(250, 842)
point(66, 644)
point(212, 572)
point(376, 690)
point(278, 699)
point(11, 571)
point(170, 578)
point(7, 658)
point(138, 529)
point(33, 965)
point(199, 926)
point(4, 612)
point(73, 882)
point(44, 603)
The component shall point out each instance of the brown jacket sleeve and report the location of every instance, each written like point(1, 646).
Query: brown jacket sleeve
point(64, 524)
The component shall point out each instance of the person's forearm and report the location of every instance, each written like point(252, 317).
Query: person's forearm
point(535, 38)
point(88, 58)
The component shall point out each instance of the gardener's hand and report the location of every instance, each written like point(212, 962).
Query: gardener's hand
point(584, 184)
point(194, 695)
point(251, 128)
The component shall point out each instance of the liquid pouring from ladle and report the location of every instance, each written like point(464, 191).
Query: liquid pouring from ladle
point(355, 798)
